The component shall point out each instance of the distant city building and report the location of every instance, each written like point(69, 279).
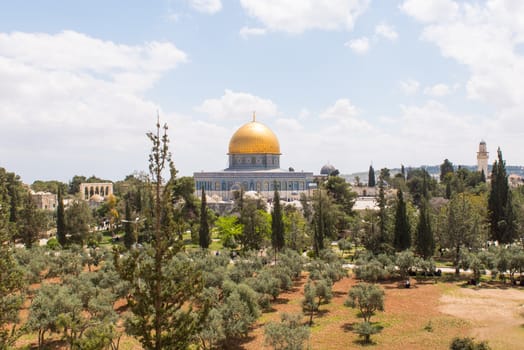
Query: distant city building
point(366, 203)
point(254, 165)
point(45, 200)
point(365, 191)
point(482, 158)
point(96, 191)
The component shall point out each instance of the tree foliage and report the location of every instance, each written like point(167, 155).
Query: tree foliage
point(12, 281)
point(60, 220)
point(204, 236)
point(446, 168)
point(367, 298)
point(402, 234)
point(32, 221)
point(501, 212)
point(289, 334)
point(462, 226)
point(78, 219)
point(229, 230)
point(255, 223)
point(371, 177)
point(277, 224)
point(425, 242)
point(165, 283)
point(468, 344)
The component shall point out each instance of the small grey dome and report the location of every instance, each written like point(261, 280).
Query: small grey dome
point(327, 169)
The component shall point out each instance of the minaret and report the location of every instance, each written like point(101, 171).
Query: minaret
point(482, 158)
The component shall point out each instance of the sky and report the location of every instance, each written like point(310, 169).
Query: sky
point(345, 82)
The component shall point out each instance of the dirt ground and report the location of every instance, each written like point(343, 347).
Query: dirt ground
point(426, 316)
point(497, 314)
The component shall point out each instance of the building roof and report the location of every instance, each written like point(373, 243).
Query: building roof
point(327, 169)
point(254, 138)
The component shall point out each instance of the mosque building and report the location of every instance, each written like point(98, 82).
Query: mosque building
point(254, 165)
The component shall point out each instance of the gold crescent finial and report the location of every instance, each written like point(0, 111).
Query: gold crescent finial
point(254, 115)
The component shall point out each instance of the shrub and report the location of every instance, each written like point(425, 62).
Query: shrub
point(366, 330)
point(468, 344)
point(53, 244)
point(289, 334)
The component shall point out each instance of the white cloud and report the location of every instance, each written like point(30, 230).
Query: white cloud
point(437, 90)
point(297, 16)
point(132, 67)
point(484, 37)
point(246, 32)
point(431, 10)
point(76, 100)
point(410, 86)
point(346, 116)
point(237, 106)
point(290, 124)
point(304, 114)
point(206, 6)
point(359, 46)
point(386, 31)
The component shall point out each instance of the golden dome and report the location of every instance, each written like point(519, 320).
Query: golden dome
point(254, 138)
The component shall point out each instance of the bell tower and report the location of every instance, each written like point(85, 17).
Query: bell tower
point(482, 158)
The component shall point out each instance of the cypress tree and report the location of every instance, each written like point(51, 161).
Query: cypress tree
point(500, 208)
point(448, 190)
point(482, 176)
point(319, 225)
point(203, 232)
point(60, 220)
point(402, 239)
point(30, 224)
point(371, 177)
point(425, 241)
point(382, 215)
point(277, 224)
point(445, 168)
point(12, 276)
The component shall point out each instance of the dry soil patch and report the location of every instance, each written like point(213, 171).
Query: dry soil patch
point(496, 314)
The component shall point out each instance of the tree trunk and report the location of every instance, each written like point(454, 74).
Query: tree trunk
point(457, 257)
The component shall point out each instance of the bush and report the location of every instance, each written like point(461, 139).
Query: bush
point(292, 260)
point(371, 271)
point(468, 344)
point(289, 334)
point(53, 244)
point(366, 330)
point(265, 284)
